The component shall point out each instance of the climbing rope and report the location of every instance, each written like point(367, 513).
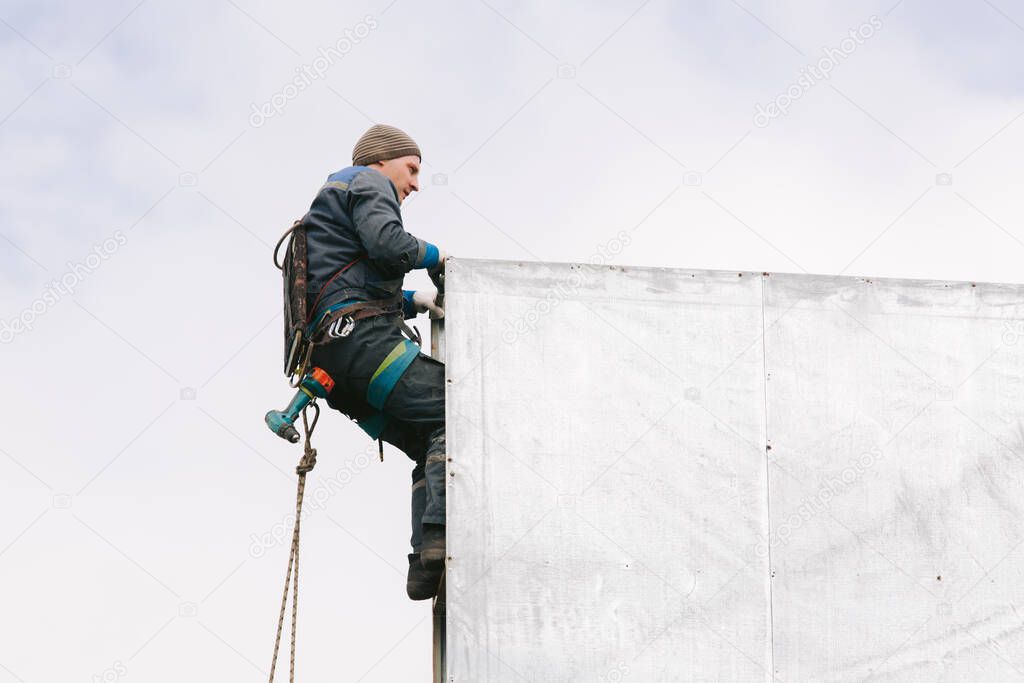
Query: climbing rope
point(291, 577)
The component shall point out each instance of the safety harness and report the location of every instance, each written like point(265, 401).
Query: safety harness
point(306, 328)
point(338, 323)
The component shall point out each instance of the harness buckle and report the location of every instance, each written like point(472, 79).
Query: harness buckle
point(341, 326)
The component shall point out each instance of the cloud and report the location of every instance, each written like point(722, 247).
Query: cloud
point(651, 125)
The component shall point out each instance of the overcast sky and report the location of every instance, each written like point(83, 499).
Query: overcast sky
point(154, 151)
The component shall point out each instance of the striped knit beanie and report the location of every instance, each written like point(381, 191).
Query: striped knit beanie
point(383, 142)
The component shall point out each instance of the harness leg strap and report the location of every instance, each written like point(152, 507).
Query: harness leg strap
point(390, 370)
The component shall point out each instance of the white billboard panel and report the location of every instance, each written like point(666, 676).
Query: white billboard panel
point(664, 475)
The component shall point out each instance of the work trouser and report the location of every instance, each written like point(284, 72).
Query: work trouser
point(412, 416)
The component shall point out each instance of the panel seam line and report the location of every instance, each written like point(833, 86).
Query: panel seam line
point(767, 490)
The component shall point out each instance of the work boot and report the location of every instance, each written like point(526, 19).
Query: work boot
point(432, 552)
point(422, 583)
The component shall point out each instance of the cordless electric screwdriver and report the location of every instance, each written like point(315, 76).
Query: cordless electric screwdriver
point(316, 384)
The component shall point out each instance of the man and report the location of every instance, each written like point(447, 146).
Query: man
point(359, 253)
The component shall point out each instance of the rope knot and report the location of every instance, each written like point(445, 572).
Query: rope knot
point(307, 463)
